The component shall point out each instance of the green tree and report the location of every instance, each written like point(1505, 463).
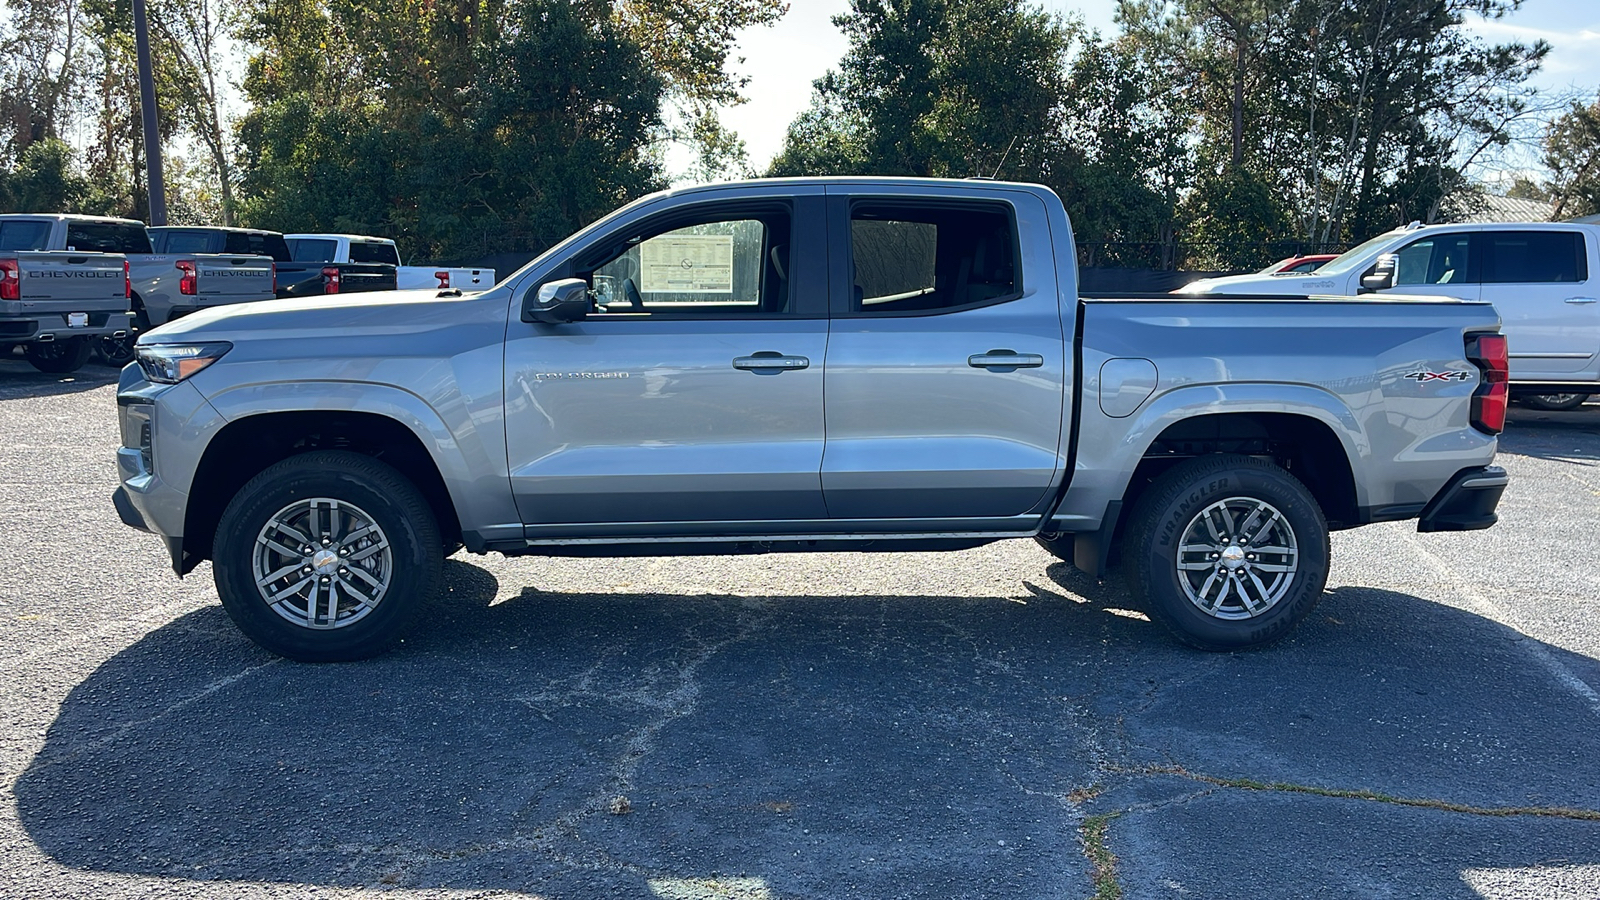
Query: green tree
point(1572, 152)
point(941, 88)
point(476, 126)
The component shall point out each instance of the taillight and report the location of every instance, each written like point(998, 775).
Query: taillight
point(1488, 352)
point(330, 279)
point(274, 266)
point(10, 280)
point(127, 281)
point(444, 278)
point(186, 282)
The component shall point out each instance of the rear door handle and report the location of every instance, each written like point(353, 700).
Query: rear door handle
point(768, 360)
point(1005, 359)
point(1581, 299)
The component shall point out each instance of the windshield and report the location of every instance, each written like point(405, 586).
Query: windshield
point(1351, 258)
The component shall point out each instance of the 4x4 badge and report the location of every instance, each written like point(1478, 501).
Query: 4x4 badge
point(1425, 377)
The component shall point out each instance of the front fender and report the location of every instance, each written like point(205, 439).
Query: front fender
point(471, 463)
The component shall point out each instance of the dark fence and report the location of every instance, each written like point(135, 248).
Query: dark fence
point(1195, 255)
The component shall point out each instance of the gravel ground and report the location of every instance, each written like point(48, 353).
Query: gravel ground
point(980, 724)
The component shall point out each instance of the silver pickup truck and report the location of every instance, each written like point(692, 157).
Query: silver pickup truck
point(57, 305)
point(802, 365)
point(163, 286)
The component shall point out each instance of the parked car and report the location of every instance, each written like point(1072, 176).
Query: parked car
point(342, 248)
point(294, 279)
point(1298, 265)
point(1543, 278)
point(57, 304)
point(793, 366)
point(164, 287)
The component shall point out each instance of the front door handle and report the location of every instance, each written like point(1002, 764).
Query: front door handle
point(770, 361)
point(1005, 359)
point(1581, 299)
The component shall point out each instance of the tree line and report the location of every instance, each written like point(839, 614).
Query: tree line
point(465, 128)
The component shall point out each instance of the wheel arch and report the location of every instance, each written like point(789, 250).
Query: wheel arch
point(247, 445)
point(1321, 439)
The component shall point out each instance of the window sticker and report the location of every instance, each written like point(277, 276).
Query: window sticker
point(687, 264)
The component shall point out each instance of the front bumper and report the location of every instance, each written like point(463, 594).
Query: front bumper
point(1467, 502)
point(164, 429)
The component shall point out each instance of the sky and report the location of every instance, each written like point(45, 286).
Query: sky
point(782, 60)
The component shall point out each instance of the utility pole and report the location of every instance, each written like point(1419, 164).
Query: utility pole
point(154, 181)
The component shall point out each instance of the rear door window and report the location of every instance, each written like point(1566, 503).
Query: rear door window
point(107, 237)
point(1534, 257)
point(24, 234)
point(917, 258)
point(374, 252)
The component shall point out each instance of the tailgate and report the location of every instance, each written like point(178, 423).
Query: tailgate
point(233, 278)
point(361, 278)
point(73, 282)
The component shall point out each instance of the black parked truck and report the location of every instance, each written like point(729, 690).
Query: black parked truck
point(295, 279)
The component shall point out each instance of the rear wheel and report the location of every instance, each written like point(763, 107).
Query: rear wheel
point(1554, 402)
point(59, 357)
point(1229, 551)
point(327, 556)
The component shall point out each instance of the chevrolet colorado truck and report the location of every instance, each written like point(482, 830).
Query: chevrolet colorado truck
point(162, 286)
point(56, 305)
point(294, 278)
point(335, 249)
point(1543, 278)
point(802, 365)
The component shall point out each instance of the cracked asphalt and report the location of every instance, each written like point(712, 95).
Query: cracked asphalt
point(830, 726)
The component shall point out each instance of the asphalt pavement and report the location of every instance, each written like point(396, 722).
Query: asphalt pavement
point(988, 723)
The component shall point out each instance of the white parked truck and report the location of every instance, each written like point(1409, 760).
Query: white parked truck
point(1543, 278)
point(359, 248)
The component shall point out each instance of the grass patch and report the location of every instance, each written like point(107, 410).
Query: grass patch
point(1103, 874)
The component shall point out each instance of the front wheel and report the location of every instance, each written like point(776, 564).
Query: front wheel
point(1229, 551)
point(326, 557)
point(59, 357)
point(1553, 402)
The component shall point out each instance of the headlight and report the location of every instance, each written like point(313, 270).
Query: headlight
point(172, 363)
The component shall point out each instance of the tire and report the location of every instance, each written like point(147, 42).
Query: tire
point(1059, 546)
point(1553, 402)
point(119, 352)
point(1245, 612)
point(59, 357)
point(371, 612)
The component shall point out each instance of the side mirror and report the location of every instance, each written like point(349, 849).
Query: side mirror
point(558, 302)
point(1381, 276)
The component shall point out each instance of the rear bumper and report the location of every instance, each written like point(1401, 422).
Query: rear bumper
point(1467, 502)
point(45, 327)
